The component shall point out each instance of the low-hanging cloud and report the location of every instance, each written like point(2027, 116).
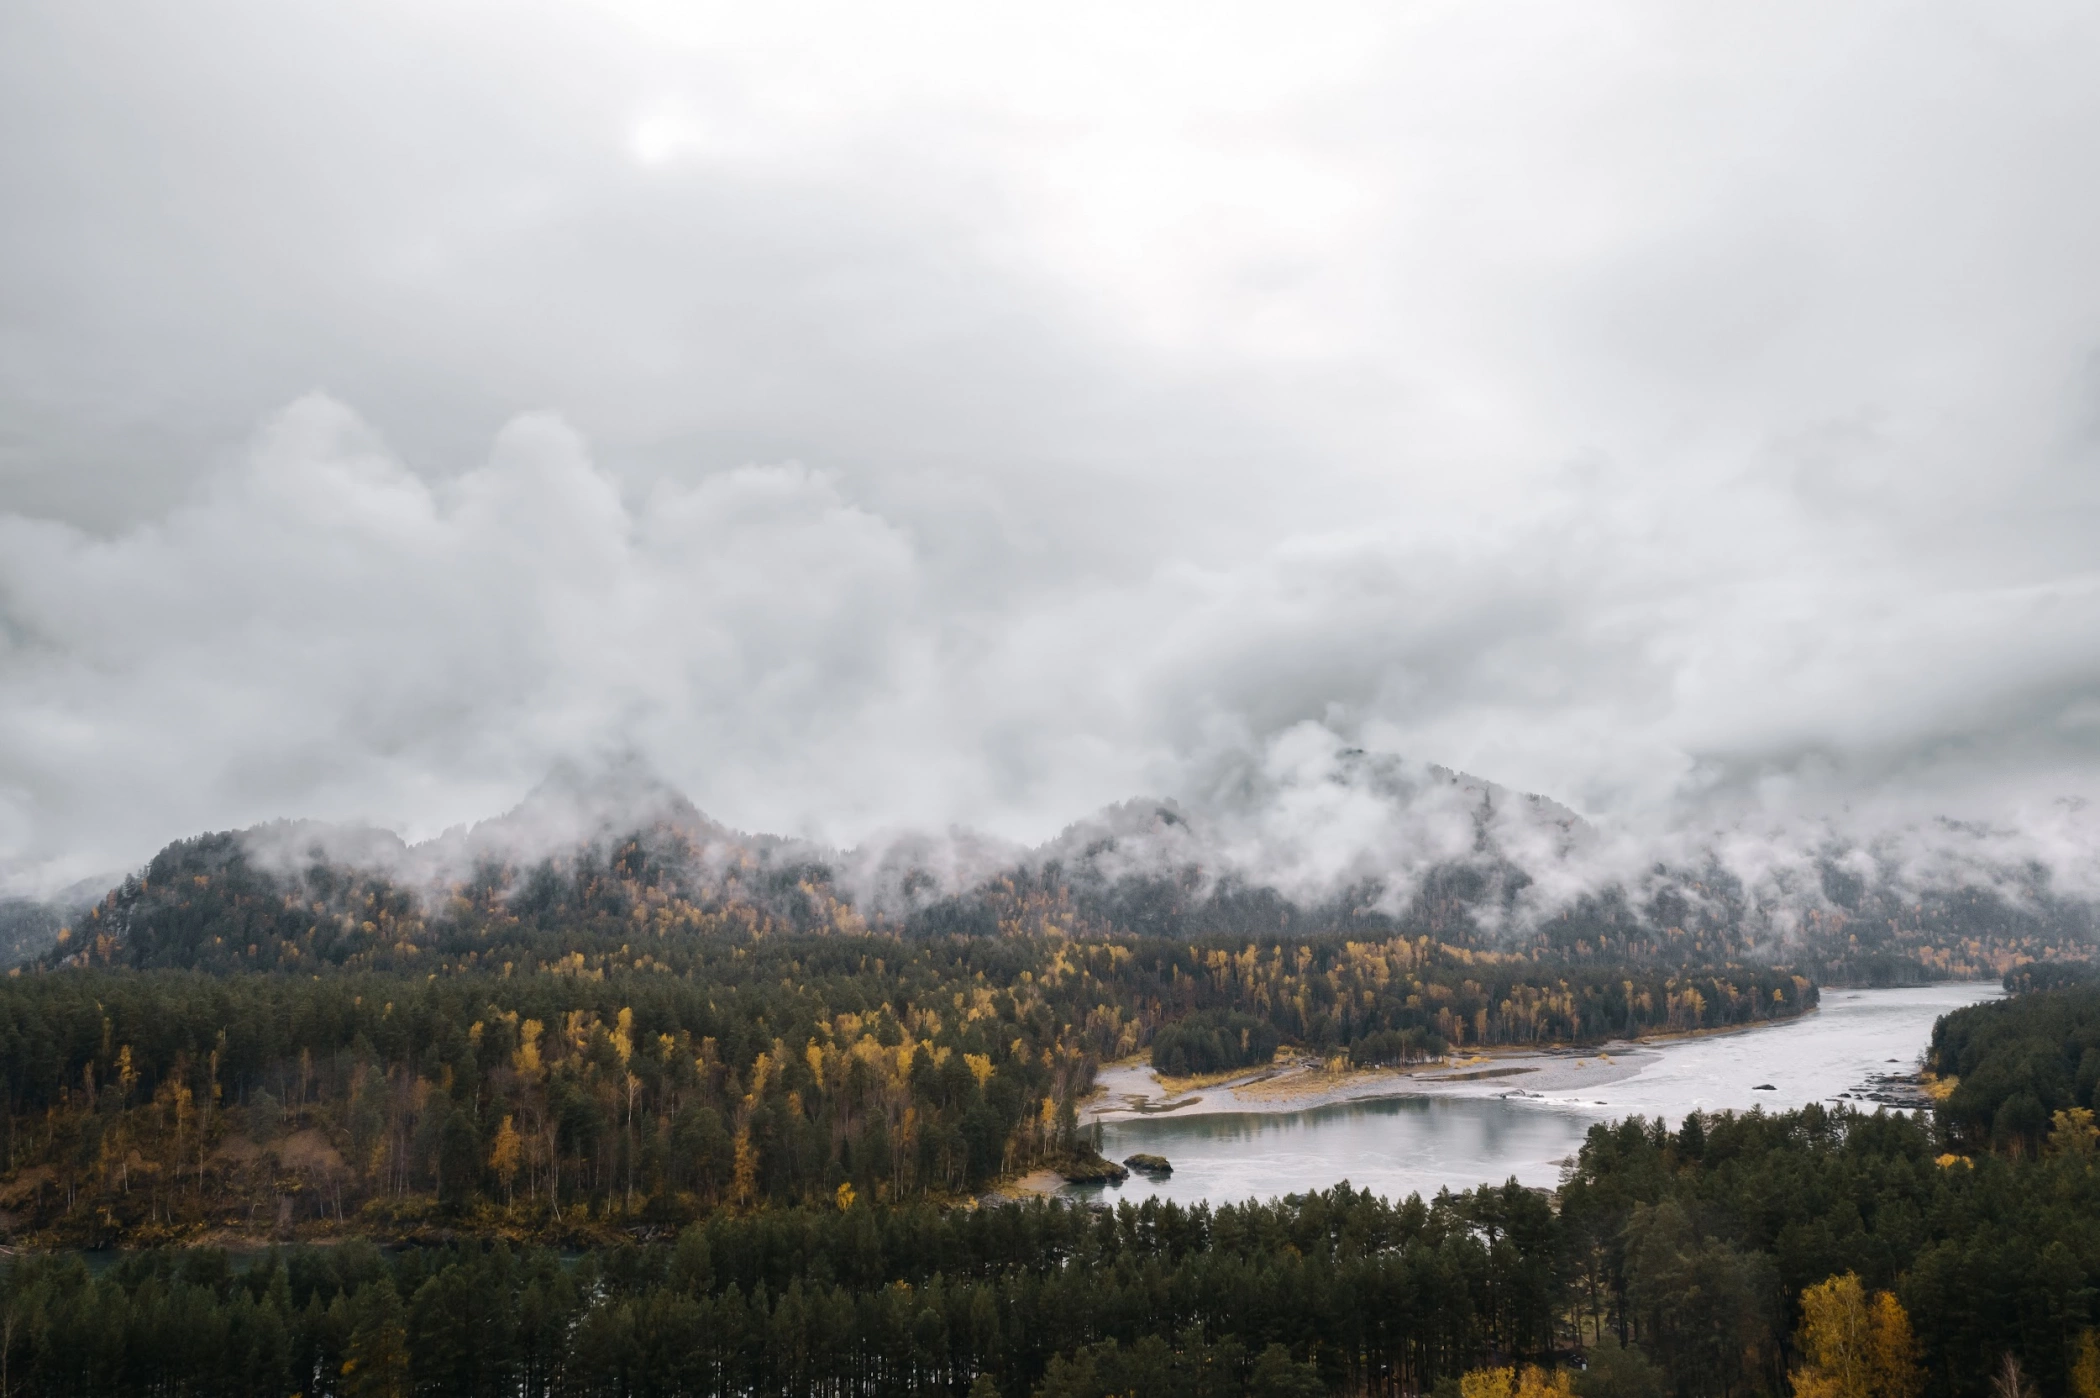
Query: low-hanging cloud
point(325, 633)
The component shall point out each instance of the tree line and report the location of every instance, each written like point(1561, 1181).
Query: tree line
point(773, 1069)
point(2012, 1070)
point(1833, 1252)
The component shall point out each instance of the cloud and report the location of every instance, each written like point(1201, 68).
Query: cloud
point(323, 626)
point(325, 633)
point(966, 419)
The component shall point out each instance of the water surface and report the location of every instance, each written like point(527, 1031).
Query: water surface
point(1460, 1134)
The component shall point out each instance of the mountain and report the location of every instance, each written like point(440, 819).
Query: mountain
point(29, 927)
point(614, 863)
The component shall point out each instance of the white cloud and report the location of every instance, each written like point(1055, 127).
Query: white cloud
point(323, 632)
point(1689, 415)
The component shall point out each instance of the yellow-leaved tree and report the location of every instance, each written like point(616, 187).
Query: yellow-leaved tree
point(1893, 1349)
point(504, 1155)
point(1855, 1345)
point(1508, 1382)
point(2085, 1367)
point(744, 1169)
point(2071, 1132)
point(1487, 1383)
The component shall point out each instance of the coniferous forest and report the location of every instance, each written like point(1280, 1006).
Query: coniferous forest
point(600, 1128)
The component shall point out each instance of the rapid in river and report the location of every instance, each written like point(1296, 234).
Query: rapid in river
point(1518, 1116)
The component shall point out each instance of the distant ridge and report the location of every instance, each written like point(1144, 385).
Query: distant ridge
point(1377, 848)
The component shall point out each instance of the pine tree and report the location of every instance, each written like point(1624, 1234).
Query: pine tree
point(377, 1362)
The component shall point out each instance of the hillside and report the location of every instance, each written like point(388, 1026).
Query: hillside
point(604, 1022)
point(574, 1023)
point(619, 868)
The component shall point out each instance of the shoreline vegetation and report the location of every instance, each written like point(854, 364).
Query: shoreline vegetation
point(1295, 1080)
point(591, 1053)
point(1727, 1258)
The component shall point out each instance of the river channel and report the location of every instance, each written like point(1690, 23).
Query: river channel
point(1455, 1129)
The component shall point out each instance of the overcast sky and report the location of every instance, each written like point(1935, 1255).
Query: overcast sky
point(883, 416)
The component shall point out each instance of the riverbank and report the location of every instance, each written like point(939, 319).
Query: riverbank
point(1296, 1082)
point(1511, 1114)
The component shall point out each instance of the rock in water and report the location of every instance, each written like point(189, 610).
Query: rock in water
point(1155, 1166)
point(1089, 1168)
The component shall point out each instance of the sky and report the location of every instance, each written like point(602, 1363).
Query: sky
point(918, 416)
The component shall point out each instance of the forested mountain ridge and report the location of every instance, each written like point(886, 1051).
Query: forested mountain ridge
point(625, 870)
point(29, 928)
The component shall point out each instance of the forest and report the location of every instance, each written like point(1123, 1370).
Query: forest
point(641, 1034)
point(607, 1127)
point(571, 1104)
point(1215, 1041)
point(2016, 1066)
point(1692, 1262)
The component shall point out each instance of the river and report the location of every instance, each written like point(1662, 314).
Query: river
point(1422, 1134)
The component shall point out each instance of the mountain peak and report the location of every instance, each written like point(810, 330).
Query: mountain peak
point(580, 803)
